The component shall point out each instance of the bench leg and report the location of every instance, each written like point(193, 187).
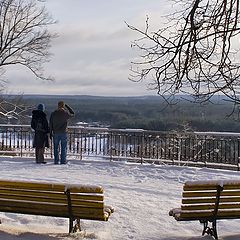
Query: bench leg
point(212, 231)
point(70, 225)
point(76, 227)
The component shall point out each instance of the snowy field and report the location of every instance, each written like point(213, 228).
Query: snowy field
point(142, 196)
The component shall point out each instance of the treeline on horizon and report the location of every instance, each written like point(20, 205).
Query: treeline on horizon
point(149, 113)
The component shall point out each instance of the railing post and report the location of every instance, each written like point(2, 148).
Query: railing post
point(142, 148)
point(21, 131)
point(238, 154)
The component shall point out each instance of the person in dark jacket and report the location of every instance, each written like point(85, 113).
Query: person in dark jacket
point(40, 125)
point(58, 130)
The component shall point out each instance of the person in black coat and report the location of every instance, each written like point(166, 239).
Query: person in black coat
point(40, 125)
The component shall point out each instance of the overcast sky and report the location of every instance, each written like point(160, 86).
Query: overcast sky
point(92, 54)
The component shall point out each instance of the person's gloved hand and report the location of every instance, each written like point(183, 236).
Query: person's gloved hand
point(69, 109)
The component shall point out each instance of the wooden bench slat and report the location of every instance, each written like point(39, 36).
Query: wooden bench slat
point(228, 214)
point(199, 188)
point(208, 214)
point(51, 187)
point(229, 199)
point(100, 217)
point(210, 200)
point(53, 195)
point(85, 189)
point(196, 214)
point(191, 194)
point(57, 195)
point(29, 199)
point(49, 207)
point(187, 207)
point(198, 200)
point(210, 185)
point(209, 206)
point(30, 211)
point(199, 194)
point(229, 206)
point(32, 186)
point(28, 203)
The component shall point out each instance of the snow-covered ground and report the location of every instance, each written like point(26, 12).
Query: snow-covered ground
point(142, 196)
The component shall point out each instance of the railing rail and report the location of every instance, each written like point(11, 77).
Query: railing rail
point(221, 150)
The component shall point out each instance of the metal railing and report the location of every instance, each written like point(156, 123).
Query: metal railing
point(220, 150)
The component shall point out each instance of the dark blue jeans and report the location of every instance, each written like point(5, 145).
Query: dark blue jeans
point(60, 139)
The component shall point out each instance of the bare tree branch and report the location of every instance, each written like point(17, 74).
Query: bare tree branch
point(196, 53)
point(24, 37)
point(13, 110)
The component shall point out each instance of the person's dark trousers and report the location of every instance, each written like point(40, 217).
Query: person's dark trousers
point(39, 152)
point(60, 139)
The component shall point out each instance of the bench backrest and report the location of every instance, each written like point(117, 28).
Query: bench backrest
point(200, 199)
point(86, 201)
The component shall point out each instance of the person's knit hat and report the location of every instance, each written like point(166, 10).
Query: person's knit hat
point(41, 107)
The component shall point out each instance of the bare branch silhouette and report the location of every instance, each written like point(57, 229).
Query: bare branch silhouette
point(195, 53)
point(24, 36)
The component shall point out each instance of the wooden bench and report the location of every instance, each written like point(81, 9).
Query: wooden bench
point(207, 202)
point(54, 199)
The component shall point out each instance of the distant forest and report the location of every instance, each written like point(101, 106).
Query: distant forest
point(148, 112)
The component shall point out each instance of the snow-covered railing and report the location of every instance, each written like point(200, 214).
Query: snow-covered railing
point(200, 148)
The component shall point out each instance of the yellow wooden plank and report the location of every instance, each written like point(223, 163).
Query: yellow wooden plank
point(36, 199)
point(60, 195)
point(48, 208)
point(28, 208)
point(57, 212)
point(210, 200)
point(38, 187)
point(96, 197)
point(32, 185)
point(199, 194)
point(84, 188)
point(102, 217)
point(230, 199)
point(91, 204)
point(197, 207)
point(229, 206)
point(26, 192)
point(77, 211)
point(210, 185)
point(42, 212)
point(229, 213)
point(51, 186)
point(209, 207)
point(231, 186)
point(28, 204)
point(230, 193)
point(196, 214)
point(199, 187)
point(198, 200)
point(50, 195)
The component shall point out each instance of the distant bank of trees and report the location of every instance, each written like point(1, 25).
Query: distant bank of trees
point(144, 112)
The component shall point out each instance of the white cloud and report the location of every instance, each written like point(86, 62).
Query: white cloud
point(92, 53)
